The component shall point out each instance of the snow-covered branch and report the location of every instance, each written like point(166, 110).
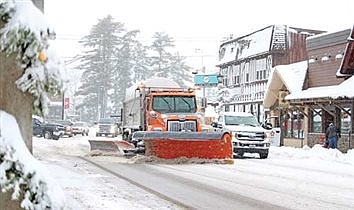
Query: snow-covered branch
point(26, 35)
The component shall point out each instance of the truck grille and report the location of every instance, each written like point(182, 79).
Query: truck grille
point(190, 125)
point(104, 128)
point(251, 136)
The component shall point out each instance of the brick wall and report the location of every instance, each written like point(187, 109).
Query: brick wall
point(207, 149)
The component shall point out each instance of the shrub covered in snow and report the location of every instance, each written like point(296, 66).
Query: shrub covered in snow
point(22, 173)
point(25, 34)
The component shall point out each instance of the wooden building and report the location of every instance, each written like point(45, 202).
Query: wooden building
point(304, 114)
point(347, 65)
point(245, 63)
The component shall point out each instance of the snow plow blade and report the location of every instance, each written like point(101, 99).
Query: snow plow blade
point(173, 145)
point(146, 135)
point(111, 146)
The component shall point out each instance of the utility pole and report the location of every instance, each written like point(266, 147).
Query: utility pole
point(204, 104)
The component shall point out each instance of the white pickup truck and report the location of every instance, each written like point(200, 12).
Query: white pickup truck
point(248, 136)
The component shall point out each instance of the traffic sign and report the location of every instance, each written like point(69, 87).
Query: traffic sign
point(66, 103)
point(206, 80)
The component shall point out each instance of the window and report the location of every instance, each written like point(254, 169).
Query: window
point(168, 104)
point(345, 121)
point(227, 108)
point(264, 74)
point(294, 125)
point(316, 121)
point(222, 53)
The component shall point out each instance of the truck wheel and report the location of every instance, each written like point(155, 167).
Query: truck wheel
point(130, 137)
point(47, 135)
point(263, 155)
point(125, 136)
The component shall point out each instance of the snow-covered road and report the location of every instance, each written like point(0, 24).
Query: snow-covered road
point(290, 178)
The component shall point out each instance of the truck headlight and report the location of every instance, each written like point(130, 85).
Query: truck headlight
point(234, 135)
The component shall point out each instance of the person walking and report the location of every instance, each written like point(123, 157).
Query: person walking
point(332, 136)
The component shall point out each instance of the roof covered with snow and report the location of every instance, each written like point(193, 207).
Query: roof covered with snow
point(291, 76)
point(255, 43)
point(343, 90)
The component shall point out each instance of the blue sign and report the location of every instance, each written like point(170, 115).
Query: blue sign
point(206, 80)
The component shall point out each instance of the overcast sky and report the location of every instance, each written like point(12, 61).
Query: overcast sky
point(193, 23)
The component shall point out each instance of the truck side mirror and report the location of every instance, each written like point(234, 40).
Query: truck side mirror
point(214, 124)
point(267, 126)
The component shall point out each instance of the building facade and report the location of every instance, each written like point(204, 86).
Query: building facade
point(320, 96)
point(245, 63)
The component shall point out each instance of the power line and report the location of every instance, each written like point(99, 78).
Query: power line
point(188, 56)
point(146, 39)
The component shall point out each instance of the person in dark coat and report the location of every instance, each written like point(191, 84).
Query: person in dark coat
point(332, 136)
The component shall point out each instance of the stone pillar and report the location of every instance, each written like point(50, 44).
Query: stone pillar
point(307, 122)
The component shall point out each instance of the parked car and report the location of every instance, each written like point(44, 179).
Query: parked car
point(67, 125)
point(80, 128)
point(47, 130)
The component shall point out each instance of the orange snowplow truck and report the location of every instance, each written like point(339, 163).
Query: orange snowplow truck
point(159, 110)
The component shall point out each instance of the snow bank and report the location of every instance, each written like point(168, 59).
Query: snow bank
point(316, 152)
point(22, 173)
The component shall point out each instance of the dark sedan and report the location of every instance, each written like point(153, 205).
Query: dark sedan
point(47, 130)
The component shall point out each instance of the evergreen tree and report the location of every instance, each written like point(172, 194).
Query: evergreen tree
point(161, 61)
point(167, 65)
point(132, 65)
point(99, 64)
point(142, 68)
point(223, 97)
point(180, 71)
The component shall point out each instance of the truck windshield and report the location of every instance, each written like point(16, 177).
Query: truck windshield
point(106, 121)
point(241, 120)
point(174, 104)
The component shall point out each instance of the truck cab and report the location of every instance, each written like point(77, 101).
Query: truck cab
point(248, 136)
point(160, 104)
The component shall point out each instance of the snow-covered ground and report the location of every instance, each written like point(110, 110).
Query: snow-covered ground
point(88, 187)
